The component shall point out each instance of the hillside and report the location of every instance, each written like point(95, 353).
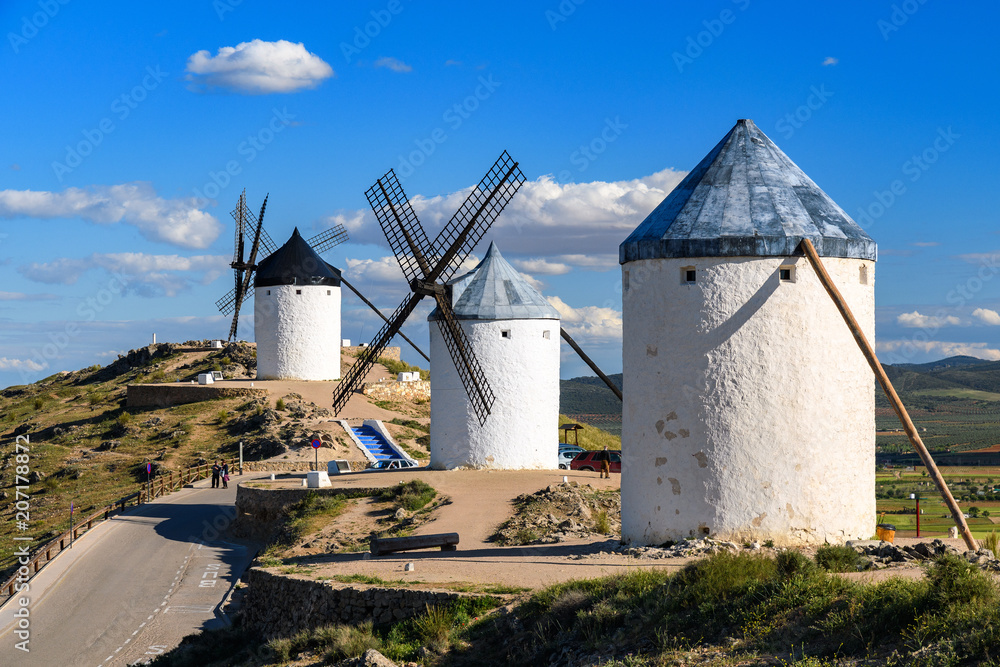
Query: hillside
point(589, 395)
point(88, 448)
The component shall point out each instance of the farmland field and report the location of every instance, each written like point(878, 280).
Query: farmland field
point(893, 489)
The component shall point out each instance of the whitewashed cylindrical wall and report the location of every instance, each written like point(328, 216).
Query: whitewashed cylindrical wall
point(522, 431)
point(749, 409)
point(297, 329)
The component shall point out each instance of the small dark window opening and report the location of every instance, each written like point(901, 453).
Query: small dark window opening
point(269, 292)
point(328, 292)
point(298, 291)
point(785, 274)
point(545, 335)
point(688, 274)
point(505, 333)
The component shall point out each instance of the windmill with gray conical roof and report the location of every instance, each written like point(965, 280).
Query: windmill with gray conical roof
point(748, 413)
point(515, 335)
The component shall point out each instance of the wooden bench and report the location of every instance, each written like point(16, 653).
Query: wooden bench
point(388, 545)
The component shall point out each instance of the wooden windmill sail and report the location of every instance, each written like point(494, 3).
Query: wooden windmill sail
point(428, 266)
point(252, 229)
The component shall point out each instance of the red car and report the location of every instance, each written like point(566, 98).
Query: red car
point(592, 460)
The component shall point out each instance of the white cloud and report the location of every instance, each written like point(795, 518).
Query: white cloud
point(20, 365)
point(830, 60)
point(176, 221)
point(146, 275)
point(394, 64)
point(21, 296)
point(926, 244)
point(915, 320)
point(542, 266)
point(986, 315)
point(258, 68)
point(941, 348)
point(452, 63)
point(589, 322)
point(580, 224)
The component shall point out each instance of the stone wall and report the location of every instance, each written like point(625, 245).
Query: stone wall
point(393, 390)
point(279, 606)
point(259, 510)
point(164, 395)
point(355, 350)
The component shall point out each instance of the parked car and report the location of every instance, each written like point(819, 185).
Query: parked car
point(565, 457)
point(576, 449)
point(393, 464)
point(592, 460)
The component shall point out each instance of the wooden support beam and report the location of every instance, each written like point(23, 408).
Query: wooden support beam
point(890, 392)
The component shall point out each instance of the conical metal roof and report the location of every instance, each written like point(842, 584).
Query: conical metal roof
point(746, 199)
point(494, 290)
point(295, 263)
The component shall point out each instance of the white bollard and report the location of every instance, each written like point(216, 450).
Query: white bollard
point(408, 567)
point(272, 476)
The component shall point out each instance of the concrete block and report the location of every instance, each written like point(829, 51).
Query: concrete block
point(316, 479)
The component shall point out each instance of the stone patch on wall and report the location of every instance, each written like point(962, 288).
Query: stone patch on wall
point(280, 606)
point(393, 390)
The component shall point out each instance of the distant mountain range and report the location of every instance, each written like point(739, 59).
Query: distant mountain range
point(958, 377)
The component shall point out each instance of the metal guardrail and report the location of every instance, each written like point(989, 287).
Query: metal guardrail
point(148, 491)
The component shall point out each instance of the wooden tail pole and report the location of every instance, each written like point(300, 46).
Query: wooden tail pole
point(890, 392)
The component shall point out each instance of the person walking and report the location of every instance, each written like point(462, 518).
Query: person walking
point(606, 464)
point(225, 475)
point(216, 473)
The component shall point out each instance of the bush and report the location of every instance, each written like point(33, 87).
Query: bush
point(412, 495)
point(280, 405)
point(793, 563)
point(602, 524)
point(39, 403)
point(954, 581)
point(838, 558)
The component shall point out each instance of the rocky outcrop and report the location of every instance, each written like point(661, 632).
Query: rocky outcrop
point(278, 605)
point(165, 395)
point(560, 512)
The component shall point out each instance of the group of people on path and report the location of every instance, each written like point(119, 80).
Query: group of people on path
point(220, 473)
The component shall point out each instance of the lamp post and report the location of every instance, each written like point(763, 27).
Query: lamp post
point(916, 496)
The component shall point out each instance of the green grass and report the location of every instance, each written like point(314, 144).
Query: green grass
point(838, 558)
point(591, 437)
point(397, 367)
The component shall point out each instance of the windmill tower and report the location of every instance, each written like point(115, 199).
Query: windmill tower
point(288, 330)
point(515, 334)
point(297, 314)
point(748, 413)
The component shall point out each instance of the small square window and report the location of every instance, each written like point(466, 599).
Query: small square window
point(863, 275)
point(269, 292)
point(298, 291)
point(546, 335)
point(505, 333)
point(786, 274)
point(328, 292)
point(688, 275)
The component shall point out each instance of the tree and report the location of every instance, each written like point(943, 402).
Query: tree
point(974, 512)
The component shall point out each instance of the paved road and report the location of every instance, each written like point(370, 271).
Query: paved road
point(134, 586)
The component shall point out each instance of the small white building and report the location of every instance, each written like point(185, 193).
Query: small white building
point(297, 314)
point(749, 412)
point(514, 333)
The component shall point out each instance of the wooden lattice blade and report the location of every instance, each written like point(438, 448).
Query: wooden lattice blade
point(401, 227)
point(466, 364)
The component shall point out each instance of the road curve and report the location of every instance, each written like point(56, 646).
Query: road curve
point(132, 587)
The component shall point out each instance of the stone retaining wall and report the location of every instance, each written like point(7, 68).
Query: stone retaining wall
point(295, 466)
point(279, 606)
point(393, 390)
point(259, 510)
point(355, 350)
point(164, 395)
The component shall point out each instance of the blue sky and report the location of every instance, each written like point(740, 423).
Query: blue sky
point(131, 128)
